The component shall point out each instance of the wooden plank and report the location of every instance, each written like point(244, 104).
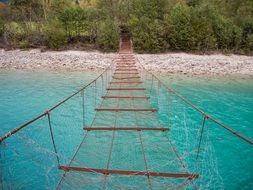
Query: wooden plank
point(126, 109)
point(122, 61)
point(126, 70)
point(119, 78)
point(129, 172)
point(131, 67)
point(127, 66)
point(126, 73)
point(126, 97)
point(124, 129)
point(123, 65)
point(127, 82)
point(126, 89)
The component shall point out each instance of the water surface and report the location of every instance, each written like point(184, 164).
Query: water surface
point(25, 94)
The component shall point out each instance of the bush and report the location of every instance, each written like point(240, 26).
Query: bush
point(202, 35)
point(180, 28)
point(55, 35)
point(1, 27)
point(247, 35)
point(227, 34)
point(23, 44)
point(146, 24)
point(148, 34)
point(74, 21)
point(79, 23)
point(14, 33)
point(250, 42)
point(108, 35)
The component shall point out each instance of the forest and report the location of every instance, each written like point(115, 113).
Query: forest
point(154, 25)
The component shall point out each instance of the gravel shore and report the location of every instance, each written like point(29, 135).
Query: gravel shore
point(170, 63)
point(55, 60)
point(189, 64)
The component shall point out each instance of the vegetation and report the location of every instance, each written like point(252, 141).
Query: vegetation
point(155, 25)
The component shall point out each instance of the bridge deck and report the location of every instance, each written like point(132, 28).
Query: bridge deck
point(126, 146)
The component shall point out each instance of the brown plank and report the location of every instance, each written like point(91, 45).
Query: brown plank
point(126, 89)
point(124, 129)
point(129, 172)
point(119, 78)
point(126, 109)
point(127, 97)
point(127, 82)
point(126, 73)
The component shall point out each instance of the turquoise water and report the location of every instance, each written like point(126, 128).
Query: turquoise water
point(25, 94)
point(230, 100)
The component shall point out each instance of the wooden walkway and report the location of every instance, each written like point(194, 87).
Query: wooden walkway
point(119, 142)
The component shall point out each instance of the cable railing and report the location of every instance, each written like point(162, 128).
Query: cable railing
point(53, 134)
point(47, 112)
point(50, 134)
point(203, 113)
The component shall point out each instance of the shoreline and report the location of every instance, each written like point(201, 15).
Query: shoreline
point(184, 64)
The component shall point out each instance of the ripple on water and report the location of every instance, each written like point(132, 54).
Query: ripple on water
point(25, 94)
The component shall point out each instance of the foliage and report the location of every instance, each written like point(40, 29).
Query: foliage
point(55, 35)
point(79, 23)
point(146, 25)
point(14, 33)
point(227, 34)
point(155, 25)
point(108, 35)
point(202, 30)
point(181, 30)
point(1, 26)
point(148, 34)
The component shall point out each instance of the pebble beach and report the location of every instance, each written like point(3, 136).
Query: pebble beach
point(168, 63)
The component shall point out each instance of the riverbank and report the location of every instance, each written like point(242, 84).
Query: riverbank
point(55, 60)
point(190, 64)
point(170, 63)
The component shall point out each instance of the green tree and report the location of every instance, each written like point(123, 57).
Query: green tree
point(180, 28)
point(1, 26)
point(147, 26)
point(108, 35)
point(55, 34)
point(227, 34)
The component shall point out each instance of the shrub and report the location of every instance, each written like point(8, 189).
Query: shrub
point(148, 34)
point(108, 35)
point(23, 44)
point(1, 26)
point(247, 35)
point(227, 34)
point(180, 28)
point(79, 23)
point(202, 35)
point(14, 32)
point(55, 35)
point(250, 42)
point(74, 21)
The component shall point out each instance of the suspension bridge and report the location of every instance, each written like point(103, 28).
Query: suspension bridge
point(124, 145)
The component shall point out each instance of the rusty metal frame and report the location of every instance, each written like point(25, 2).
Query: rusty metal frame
point(127, 82)
point(126, 73)
point(129, 172)
point(127, 109)
point(124, 129)
point(126, 89)
point(126, 97)
point(121, 78)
